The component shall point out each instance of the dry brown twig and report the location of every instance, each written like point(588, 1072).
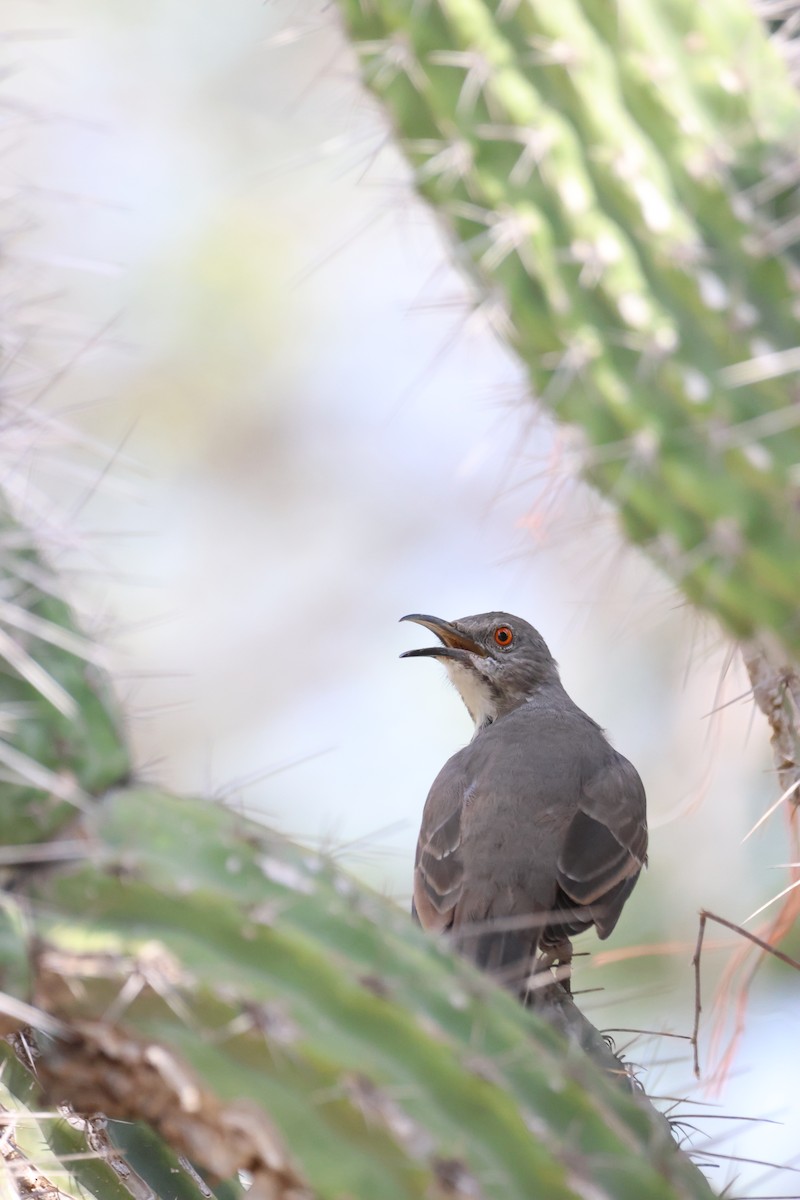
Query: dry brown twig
point(765, 948)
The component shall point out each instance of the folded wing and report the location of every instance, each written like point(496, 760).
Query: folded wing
point(606, 843)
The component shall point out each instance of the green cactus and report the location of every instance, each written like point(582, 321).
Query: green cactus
point(60, 741)
point(614, 181)
point(212, 977)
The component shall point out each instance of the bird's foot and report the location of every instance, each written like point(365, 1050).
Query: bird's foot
point(558, 960)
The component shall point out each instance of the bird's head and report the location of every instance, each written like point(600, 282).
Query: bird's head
point(495, 660)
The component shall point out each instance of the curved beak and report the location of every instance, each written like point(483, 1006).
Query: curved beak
point(455, 643)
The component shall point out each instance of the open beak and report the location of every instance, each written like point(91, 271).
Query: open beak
point(455, 643)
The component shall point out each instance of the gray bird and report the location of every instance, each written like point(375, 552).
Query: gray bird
point(537, 829)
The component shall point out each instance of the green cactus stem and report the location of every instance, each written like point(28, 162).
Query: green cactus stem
point(60, 739)
point(614, 182)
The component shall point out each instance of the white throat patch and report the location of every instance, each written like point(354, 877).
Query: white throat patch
point(473, 691)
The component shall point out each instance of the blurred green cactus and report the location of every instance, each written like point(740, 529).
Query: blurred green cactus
point(617, 182)
point(239, 995)
point(60, 741)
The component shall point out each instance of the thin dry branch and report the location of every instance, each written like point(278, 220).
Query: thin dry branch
point(765, 948)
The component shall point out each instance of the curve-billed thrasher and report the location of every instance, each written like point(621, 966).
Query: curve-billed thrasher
point(536, 829)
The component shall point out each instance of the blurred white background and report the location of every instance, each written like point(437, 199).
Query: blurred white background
point(291, 430)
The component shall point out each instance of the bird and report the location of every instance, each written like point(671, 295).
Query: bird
point(534, 831)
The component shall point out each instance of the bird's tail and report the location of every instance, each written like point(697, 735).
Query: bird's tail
point(504, 946)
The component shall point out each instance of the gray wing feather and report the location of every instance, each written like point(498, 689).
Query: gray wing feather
point(439, 867)
point(606, 843)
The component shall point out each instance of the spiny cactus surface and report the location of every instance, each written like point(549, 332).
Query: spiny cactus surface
point(215, 977)
point(60, 740)
point(617, 182)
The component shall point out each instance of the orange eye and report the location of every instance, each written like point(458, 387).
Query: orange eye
point(503, 636)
